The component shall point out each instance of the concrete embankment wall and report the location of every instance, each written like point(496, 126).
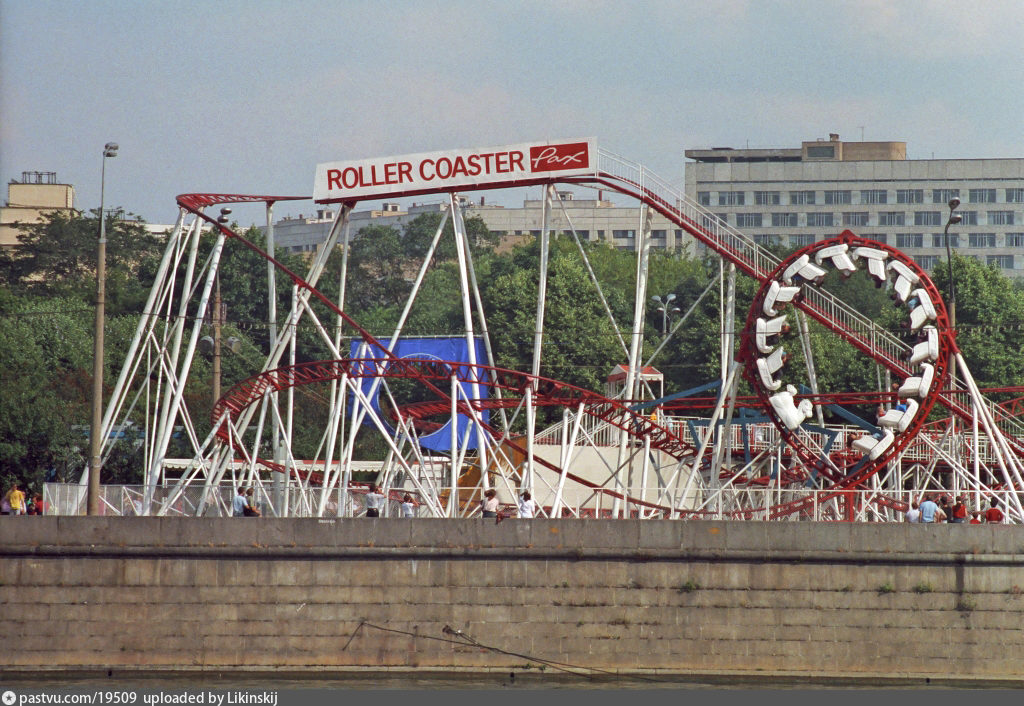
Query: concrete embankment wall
point(743, 600)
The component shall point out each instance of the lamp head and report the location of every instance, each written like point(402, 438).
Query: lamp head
point(656, 298)
point(953, 203)
point(955, 218)
point(110, 149)
point(669, 297)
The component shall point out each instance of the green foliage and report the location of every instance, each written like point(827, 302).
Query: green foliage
point(886, 588)
point(689, 587)
point(57, 258)
point(989, 312)
point(922, 588)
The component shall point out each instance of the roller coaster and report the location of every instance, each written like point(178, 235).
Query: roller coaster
point(769, 456)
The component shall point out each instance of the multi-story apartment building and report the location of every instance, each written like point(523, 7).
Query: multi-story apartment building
point(793, 197)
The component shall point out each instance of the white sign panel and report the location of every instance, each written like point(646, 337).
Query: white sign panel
point(450, 169)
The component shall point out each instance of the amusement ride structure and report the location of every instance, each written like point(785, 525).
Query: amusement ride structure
point(622, 453)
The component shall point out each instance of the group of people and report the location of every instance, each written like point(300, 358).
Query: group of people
point(243, 505)
point(489, 505)
point(16, 502)
point(376, 499)
point(930, 511)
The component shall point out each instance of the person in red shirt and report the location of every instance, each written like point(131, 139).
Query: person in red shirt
point(975, 518)
point(994, 515)
point(960, 510)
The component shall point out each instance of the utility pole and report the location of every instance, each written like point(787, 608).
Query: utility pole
point(96, 430)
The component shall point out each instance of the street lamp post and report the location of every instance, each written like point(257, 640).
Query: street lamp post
point(665, 308)
point(953, 219)
point(95, 430)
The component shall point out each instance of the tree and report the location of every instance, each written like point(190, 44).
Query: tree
point(56, 257)
point(989, 312)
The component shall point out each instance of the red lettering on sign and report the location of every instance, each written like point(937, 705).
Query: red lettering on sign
point(552, 158)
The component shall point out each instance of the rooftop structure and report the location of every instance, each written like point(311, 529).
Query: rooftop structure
point(27, 200)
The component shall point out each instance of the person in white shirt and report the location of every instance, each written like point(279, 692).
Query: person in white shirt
point(489, 505)
point(914, 513)
point(527, 507)
point(374, 502)
point(408, 506)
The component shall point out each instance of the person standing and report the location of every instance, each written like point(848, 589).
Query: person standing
point(489, 505)
point(947, 514)
point(994, 515)
point(374, 502)
point(408, 506)
point(16, 499)
point(959, 514)
point(239, 504)
point(250, 504)
point(527, 506)
point(914, 513)
point(930, 512)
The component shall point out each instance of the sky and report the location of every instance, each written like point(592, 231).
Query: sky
point(248, 96)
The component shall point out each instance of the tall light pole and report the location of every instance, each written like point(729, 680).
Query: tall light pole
point(665, 308)
point(217, 306)
point(953, 219)
point(95, 430)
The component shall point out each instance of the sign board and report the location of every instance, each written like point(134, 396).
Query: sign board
point(452, 169)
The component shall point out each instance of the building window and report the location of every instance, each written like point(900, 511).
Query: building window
point(909, 240)
point(767, 239)
point(1015, 196)
point(926, 262)
point(968, 218)
point(748, 220)
point(874, 196)
point(712, 221)
point(981, 240)
point(801, 240)
point(837, 196)
point(1015, 240)
point(981, 196)
point(909, 195)
point(704, 198)
point(855, 218)
point(877, 237)
point(623, 233)
point(658, 234)
point(766, 198)
point(1002, 261)
point(801, 197)
point(820, 219)
point(731, 198)
point(1000, 218)
point(821, 151)
point(927, 218)
point(891, 218)
point(944, 195)
point(784, 220)
point(939, 241)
